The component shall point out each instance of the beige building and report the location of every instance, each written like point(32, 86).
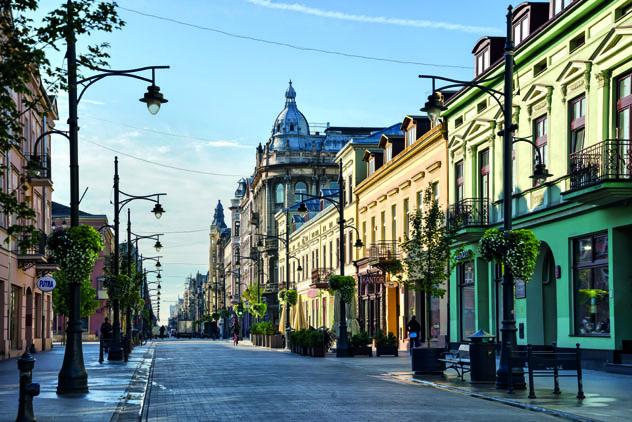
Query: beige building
point(25, 311)
point(399, 170)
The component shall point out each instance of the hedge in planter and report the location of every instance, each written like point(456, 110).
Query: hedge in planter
point(386, 344)
point(361, 344)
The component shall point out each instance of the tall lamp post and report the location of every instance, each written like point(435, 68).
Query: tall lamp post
point(73, 378)
point(433, 107)
point(342, 347)
point(116, 351)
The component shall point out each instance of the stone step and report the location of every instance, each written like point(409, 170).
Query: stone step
point(619, 368)
point(626, 358)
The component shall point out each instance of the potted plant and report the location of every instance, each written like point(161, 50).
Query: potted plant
point(315, 343)
point(518, 250)
point(386, 344)
point(427, 266)
point(361, 344)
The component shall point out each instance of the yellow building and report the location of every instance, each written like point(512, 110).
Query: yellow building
point(398, 172)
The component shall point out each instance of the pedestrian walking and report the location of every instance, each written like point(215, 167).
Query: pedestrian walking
point(106, 334)
point(414, 331)
point(162, 331)
point(214, 330)
point(236, 330)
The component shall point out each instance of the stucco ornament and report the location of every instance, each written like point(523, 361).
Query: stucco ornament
point(519, 250)
point(76, 250)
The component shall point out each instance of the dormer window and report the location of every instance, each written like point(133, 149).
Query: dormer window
point(482, 61)
point(411, 135)
point(521, 29)
point(389, 152)
point(371, 165)
point(558, 6)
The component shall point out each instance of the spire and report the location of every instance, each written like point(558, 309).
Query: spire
point(218, 216)
point(290, 95)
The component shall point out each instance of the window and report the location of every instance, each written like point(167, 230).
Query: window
point(14, 317)
point(435, 191)
point(420, 200)
point(483, 174)
point(540, 132)
point(279, 197)
point(458, 121)
point(389, 152)
point(373, 229)
point(237, 226)
point(300, 187)
point(521, 30)
point(291, 127)
point(590, 285)
point(577, 42)
point(364, 239)
point(371, 165)
point(482, 61)
point(577, 129)
point(622, 11)
point(383, 226)
point(406, 220)
point(481, 106)
point(411, 135)
point(624, 106)
point(459, 182)
point(393, 222)
point(467, 307)
point(350, 248)
point(560, 5)
point(350, 189)
point(539, 67)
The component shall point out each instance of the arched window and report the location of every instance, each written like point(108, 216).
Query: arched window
point(300, 187)
point(280, 194)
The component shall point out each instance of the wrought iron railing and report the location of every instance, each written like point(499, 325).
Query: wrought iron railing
point(470, 212)
point(610, 160)
point(384, 251)
point(320, 277)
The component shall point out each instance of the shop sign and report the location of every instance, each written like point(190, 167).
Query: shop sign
point(46, 283)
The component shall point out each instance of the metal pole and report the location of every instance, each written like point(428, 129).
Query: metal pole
point(128, 310)
point(259, 273)
point(342, 347)
point(116, 352)
point(288, 328)
point(506, 374)
point(73, 378)
point(225, 308)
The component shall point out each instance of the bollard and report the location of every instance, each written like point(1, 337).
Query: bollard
point(580, 380)
point(101, 348)
point(556, 372)
point(28, 389)
point(530, 363)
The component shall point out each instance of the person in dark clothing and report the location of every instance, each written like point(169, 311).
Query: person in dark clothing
point(414, 330)
point(214, 330)
point(106, 334)
point(162, 331)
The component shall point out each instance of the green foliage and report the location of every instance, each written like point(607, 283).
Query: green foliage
point(215, 316)
point(427, 261)
point(263, 328)
point(312, 337)
point(61, 293)
point(258, 310)
point(344, 284)
point(385, 340)
point(76, 250)
point(238, 309)
point(253, 293)
point(360, 340)
point(288, 296)
point(224, 313)
point(23, 51)
point(519, 250)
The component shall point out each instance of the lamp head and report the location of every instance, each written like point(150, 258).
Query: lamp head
point(158, 210)
point(302, 209)
point(299, 267)
point(358, 244)
point(540, 173)
point(260, 246)
point(158, 246)
point(158, 264)
point(158, 277)
point(153, 98)
point(434, 106)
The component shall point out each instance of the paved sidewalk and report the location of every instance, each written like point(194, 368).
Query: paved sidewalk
point(112, 395)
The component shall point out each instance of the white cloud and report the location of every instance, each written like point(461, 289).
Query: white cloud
point(226, 144)
point(332, 14)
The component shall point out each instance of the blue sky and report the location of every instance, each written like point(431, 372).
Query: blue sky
point(224, 94)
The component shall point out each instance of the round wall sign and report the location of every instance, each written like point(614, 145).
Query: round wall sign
point(46, 283)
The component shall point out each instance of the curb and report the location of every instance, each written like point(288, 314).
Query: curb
point(508, 402)
point(132, 404)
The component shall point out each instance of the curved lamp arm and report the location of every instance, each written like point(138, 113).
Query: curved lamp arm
point(129, 73)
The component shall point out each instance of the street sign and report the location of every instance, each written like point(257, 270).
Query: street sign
point(46, 283)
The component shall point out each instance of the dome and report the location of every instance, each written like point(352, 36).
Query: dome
point(290, 120)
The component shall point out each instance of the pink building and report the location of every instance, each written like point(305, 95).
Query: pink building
point(91, 324)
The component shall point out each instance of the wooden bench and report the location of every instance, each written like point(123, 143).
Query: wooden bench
point(459, 360)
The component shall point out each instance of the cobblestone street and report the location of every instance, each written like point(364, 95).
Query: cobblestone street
point(215, 381)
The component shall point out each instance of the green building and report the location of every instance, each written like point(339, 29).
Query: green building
point(573, 99)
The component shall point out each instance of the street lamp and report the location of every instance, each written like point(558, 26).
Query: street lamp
point(506, 370)
point(158, 245)
point(342, 347)
point(73, 378)
point(153, 98)
point(116, 351)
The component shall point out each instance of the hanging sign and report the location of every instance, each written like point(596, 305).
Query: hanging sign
point(46, 283)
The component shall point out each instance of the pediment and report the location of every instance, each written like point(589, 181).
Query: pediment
point(536, 92)
point(573, 70)
point(616, 36)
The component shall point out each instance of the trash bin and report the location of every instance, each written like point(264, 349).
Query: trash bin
point(482, 358)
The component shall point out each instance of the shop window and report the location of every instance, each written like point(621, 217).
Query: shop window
point(590, 285)
point(467, 308)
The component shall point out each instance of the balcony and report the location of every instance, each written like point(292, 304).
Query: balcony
point(320, 278)
point(39, 170)
point(602, 173)
point(383, 253)
point(468, 218)
point(37, 256)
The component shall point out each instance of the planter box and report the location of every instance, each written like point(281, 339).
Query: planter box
point(366, 350)
point(276, 341)
point(304, 351)
point(317, 352)
point(426, 360)
point(386, 350)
